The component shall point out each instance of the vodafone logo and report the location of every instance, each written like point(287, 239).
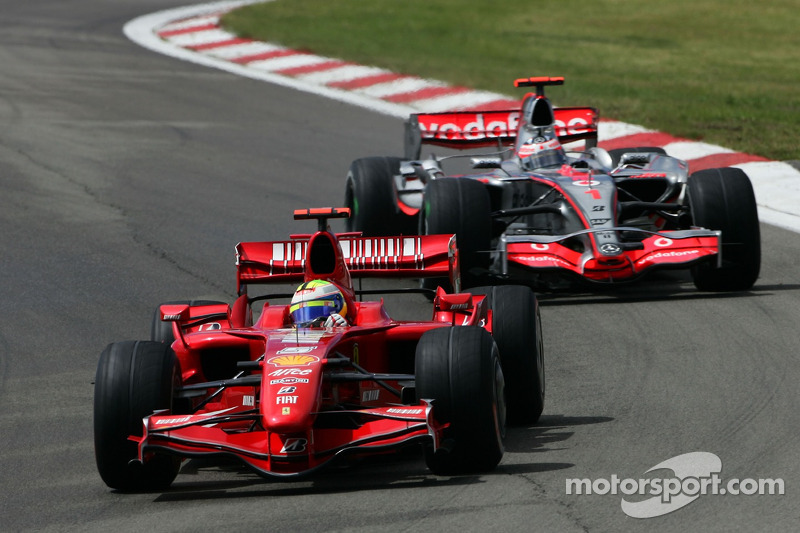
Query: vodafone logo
point(573, 127)
point(470, 127)
point(541, 259)
point(586, 183)
point(663, 242)
point(679, 254)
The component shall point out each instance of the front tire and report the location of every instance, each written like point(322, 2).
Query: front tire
point(517, 331)
point(134, 378)
point(459, 369)
point(723, 199)
point(370, 193)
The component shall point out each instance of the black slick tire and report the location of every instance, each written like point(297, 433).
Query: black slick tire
point(723, 199)
point(371, 195)
point(460, 206)
point(458, 368)
point(134, 378)
point(517, 331)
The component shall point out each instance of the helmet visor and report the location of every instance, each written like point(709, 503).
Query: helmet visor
point(306, 314)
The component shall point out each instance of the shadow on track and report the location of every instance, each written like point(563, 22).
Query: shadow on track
point(655, 289)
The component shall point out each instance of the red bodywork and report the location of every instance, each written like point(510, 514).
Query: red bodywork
point(287, 400)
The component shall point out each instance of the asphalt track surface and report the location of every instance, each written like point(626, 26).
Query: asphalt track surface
point(127, 177)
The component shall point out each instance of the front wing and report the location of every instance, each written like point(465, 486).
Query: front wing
point(666, 249)
point(287, 455)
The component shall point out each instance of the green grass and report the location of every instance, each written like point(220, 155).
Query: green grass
point(725, 72)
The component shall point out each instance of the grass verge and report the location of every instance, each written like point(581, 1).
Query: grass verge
point(719, 71)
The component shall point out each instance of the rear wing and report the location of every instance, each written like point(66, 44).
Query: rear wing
point(413, 256)
point(464, 130)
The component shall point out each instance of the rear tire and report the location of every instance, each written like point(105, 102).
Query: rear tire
point(723, 199)
point(517, 331)
point(134, 378)
point(370, 193)
point(458, 368)
point(460, 206)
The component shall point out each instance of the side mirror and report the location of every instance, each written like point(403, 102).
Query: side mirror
point(174, 313)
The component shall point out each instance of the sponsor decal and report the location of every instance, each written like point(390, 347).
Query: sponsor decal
point(303, 336)
point(648, 175)
point(469, 127)
point(678, 254)
point(287, 390)
point(172, 317)
point(586, 183)
point(286, 410)
point(396, 411)
point(291, 372)
point(294, 445)
point(285, 399)
point(496, 124)
point(599, 221)
point(540, 247)
point(539, 144)
point(187, 418)
point(295, 349)
point(168, 421)
point(662, 242)
point(284, 381)
point(249, 401)
point(610, 249)
point(293, 360)
point(370, 395)
point(540, 259)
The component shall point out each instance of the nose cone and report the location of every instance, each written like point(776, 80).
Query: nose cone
point(289, 392)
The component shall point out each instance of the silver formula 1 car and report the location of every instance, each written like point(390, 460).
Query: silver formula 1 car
point(537, 211)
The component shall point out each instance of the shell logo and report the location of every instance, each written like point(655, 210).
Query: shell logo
point(293, 360)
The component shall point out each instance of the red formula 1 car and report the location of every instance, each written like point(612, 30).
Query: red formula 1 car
point(540, 214)
point(287, 398)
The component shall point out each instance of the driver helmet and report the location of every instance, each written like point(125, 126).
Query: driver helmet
point(314, 301)
point(542, 150)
